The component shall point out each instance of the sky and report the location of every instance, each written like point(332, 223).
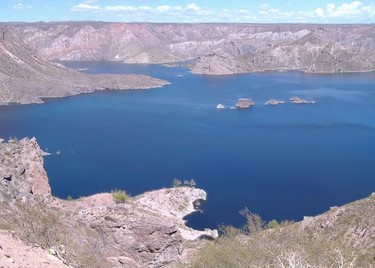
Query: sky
point(237, 11)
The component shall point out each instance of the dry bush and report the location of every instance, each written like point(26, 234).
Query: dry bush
point(254, 223)
point(39, 224)
point(283, 247)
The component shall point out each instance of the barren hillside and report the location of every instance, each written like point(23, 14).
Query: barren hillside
point(25, 77)
point(216, 48)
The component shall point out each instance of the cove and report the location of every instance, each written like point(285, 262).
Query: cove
point(282, 162)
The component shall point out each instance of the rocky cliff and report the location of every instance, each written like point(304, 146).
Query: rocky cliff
point(25, 77)
point(143, 231)
point(149, 231)
point(217, 48)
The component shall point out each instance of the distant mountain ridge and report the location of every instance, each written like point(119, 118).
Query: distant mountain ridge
point(26, 77)
point(216, 48)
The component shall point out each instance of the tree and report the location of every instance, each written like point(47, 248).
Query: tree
point(176, 183)
point(192, 183)
point(254, 222)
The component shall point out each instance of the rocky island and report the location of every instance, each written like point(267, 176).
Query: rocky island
point(220, 106)
point(244, 103)
point(298, 100)
point(40, 230)
point(29, 72)
point(273, 102)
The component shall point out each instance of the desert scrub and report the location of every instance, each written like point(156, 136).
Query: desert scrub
point(120, 196)
point(261, 250)
point(36, 223)
point(286, 244)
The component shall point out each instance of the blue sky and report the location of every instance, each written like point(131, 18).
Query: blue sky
point(259, 11)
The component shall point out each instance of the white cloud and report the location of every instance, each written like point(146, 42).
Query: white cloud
point(145, 8)
point(193, 7)
point(120, 8)
point(346, 9)
point(347, 12)
point(354, 11)
point(163, 8)
point(84, 7)
point(319, 12)
point(22, 6)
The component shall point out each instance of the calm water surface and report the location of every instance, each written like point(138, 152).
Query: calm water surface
point(281, 162)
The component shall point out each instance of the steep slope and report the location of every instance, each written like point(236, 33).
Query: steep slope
point(26, 78)
point(341, 237)
point(246, 47)
point(144, 231)
point(15, 253)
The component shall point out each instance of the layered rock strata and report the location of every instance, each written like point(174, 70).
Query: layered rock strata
point(25, 77)
point(215, 48)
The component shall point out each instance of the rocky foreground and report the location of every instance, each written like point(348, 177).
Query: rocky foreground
point(25, 77)
point(144, 231)
point(39, 230)
point(215, 48)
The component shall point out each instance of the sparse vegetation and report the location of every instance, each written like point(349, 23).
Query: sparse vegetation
point(272, 224)
point(45, 226)
point(280, 248)
point(192, 183)
point(254, 222)
point(176, 183)
point(120, 196)
point(287, 244)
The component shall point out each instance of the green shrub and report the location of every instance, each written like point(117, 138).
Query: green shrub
point(176, 183)
point(192, 183)
point(120, 196)
point(69, 198)
point(272, 224)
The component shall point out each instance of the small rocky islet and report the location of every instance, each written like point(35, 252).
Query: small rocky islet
point(246, 103)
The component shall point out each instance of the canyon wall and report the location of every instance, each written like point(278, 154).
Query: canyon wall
point(214, 48)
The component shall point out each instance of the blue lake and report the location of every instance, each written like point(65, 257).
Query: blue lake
point(282, 162)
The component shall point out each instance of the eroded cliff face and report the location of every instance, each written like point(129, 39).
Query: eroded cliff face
point(145, 231)
point(218, 48)
point(21, 170)
point(25, 77)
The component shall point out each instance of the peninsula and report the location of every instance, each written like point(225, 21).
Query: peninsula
point(26, 77)
point(141, 231)
point(30, 52)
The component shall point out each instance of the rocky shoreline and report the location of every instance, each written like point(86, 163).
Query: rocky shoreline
point(27, 78)
point(212, 49)
point(143, 231)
